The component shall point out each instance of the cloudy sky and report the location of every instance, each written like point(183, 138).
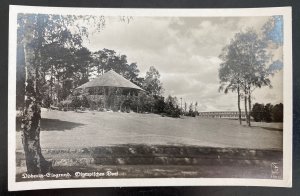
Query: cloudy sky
point(185, 51)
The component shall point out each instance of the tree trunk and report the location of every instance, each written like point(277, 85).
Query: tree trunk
point(249, 102)
point(246, 111)
point(104, 98)
point(35, 162)
point(51, 84)
point(239, 104)
point(58, 89)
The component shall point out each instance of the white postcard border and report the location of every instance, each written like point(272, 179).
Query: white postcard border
point(136, 182)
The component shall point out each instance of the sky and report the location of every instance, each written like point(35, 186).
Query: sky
point(185, 51)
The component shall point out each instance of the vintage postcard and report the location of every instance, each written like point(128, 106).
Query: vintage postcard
point(149, 97)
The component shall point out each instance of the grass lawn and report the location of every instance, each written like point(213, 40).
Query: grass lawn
point(61, 130)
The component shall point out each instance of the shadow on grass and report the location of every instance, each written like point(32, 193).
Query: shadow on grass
point(52, 124)
point(263, 127)
point(272, 129)
point(268, 128)
point(57, 125)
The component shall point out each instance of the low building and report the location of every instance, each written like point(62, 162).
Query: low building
point(222, 114)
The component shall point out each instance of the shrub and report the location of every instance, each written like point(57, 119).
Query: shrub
point(75, 103)
point(277, 113)
point(60, 106)
point(64, 105)
point(159, 105)
point(267, 112)
point(258, 112)
point(126, 105)
point(84, 102)
point(175, 112)
point(171, 109)
point(93, 105)
point(47, 102)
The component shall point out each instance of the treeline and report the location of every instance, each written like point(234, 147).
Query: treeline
point(140, 102)
point(63, 69)
point(267, 113)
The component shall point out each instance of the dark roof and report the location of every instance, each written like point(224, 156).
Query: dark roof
point(110, 79)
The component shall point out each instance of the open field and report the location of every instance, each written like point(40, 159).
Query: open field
point(149, 145)
point(63, 130)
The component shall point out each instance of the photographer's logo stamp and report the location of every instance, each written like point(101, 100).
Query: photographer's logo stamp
point(275, 171)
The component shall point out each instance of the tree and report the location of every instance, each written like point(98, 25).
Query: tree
point(244, 67)
point(99, 60)
point(131, 73)
point(258, 112)
point(191, 111)
point(106, 59)
point(277, 113)
point(172, 101)
point(230, 73)
point(152, 82)
point(254, 64)
point(159, 104)
point(58, 67)
point(171, 107)
point(20, 83)
point(30, 38)
point(34, 32)
point(82, 62)
point(267, 112)
point(76, 102)
point(196, 107)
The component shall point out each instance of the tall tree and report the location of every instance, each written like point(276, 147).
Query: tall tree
point(172, 101)
point(57, 69)
point(152, 82)
point(99, 60)
point(254, 59)
point(106, 59)
point(245, 66)
point(30, 35)
point(230, 73)
point(196, 108)
point(82, 63)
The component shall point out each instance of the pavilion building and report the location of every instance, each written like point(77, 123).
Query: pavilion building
point(110, 91)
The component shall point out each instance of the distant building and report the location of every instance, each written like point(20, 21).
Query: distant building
point(109, 91)
point(222, 114)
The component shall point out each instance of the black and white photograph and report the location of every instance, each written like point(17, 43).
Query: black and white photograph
point(149, 97)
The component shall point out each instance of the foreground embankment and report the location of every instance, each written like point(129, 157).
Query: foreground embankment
point(148, 161)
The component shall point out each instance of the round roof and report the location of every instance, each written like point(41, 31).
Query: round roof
point(110, 79)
